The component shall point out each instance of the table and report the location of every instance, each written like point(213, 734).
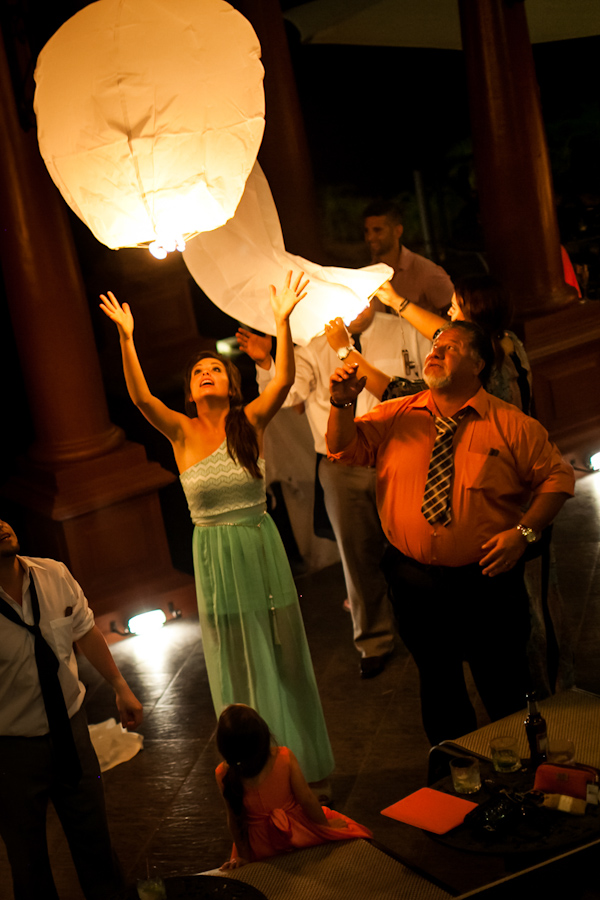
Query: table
point(574, 714)
point(205, 887)
point(571, 714)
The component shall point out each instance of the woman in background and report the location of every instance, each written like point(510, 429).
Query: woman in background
point(477, 298)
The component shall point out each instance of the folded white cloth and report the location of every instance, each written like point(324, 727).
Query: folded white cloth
point(113, 744)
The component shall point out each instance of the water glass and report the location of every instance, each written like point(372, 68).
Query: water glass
point(465, 775)
point(152, 888)
point(505, 754)
point(561, 752)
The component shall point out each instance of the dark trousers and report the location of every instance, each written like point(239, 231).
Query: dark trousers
point(27, 782)
point(446, 615)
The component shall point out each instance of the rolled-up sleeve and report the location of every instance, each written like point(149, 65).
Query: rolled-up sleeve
point(371, 431)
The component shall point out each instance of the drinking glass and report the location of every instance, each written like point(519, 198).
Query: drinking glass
point(505, 754)
point(151, 888)
point(561, 752)
point(465, 775)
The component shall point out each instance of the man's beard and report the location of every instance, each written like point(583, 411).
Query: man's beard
point(437, 382)
point(382, 250)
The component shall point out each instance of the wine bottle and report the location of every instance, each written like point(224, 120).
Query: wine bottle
point(537, 734)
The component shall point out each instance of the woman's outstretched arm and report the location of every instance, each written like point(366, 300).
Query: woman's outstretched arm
point(166, 420)
point(423, 320)
point(261, 411)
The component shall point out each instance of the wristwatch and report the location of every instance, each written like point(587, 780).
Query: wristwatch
point(343, 352)
point(528, 533)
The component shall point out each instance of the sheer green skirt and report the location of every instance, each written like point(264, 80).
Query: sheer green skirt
point(253, 635)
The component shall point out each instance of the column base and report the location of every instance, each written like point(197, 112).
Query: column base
point(102, 518)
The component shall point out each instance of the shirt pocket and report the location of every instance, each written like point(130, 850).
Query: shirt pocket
point(62, 637)
point(481, 471)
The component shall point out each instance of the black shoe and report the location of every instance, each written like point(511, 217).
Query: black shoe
point(371, 666)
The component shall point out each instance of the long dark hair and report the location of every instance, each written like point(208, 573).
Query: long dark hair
point(242, 443)
point(485, 303)
point(244, 741)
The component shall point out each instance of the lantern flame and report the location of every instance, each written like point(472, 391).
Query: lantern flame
point(163, 245)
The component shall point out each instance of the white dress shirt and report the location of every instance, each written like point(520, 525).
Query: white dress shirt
point(64, 617)
point(382, 344)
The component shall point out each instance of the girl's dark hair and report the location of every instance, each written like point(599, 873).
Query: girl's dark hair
point(486, 304)
point(242, 443)
point(244, 741)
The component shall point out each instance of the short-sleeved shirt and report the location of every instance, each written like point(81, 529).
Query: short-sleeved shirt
point(65, 617)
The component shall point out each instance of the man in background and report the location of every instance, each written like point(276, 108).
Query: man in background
point(416, 278)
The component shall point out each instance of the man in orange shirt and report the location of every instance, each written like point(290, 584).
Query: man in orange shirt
point(465, 482)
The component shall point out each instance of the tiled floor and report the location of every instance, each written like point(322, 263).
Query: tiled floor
point(164, 806)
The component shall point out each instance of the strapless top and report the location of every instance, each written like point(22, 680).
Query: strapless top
point(217, 485)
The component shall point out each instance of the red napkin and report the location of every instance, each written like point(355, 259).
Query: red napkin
point(431, 810)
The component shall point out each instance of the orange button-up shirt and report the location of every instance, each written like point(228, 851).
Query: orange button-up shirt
point(501, 458)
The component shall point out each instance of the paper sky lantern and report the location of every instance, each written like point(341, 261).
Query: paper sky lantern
point(150, 115)
point(235, 264)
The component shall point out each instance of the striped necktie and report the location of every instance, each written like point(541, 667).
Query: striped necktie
point(436, 499)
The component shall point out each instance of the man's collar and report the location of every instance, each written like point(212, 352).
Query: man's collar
point(28, 563)
point(404, 258)
point(479, 402)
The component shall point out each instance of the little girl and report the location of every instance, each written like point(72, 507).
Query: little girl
point(270, 807)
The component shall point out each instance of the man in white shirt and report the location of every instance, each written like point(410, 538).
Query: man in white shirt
point(416, 278)
point(397, 349)
point(41, 601)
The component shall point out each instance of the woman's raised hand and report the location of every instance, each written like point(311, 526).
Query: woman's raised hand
point(337, 334)
point(388, 296)
point(283, 303)
point(119, 314)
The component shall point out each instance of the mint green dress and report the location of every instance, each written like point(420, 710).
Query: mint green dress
point(253, 635)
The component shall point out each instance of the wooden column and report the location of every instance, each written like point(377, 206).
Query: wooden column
point(284, 155)
point(511, 157)
point(90, 497)
point(518, 215)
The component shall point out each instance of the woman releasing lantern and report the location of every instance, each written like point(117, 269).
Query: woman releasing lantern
point(252, 630)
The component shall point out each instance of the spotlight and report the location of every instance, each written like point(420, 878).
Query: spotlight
point(595, 462)
point(147, 622)
point(228, 347)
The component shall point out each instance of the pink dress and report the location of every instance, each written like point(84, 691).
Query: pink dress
point(276, 821)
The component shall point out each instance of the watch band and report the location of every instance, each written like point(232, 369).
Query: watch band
point(343, 352)
point(528, 533)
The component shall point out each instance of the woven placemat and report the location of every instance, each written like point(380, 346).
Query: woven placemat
point(346, 870)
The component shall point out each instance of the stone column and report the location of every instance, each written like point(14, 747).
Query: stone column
point(90, 497)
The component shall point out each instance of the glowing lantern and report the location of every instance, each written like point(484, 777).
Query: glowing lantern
point(150, 115)
point(235, 264)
